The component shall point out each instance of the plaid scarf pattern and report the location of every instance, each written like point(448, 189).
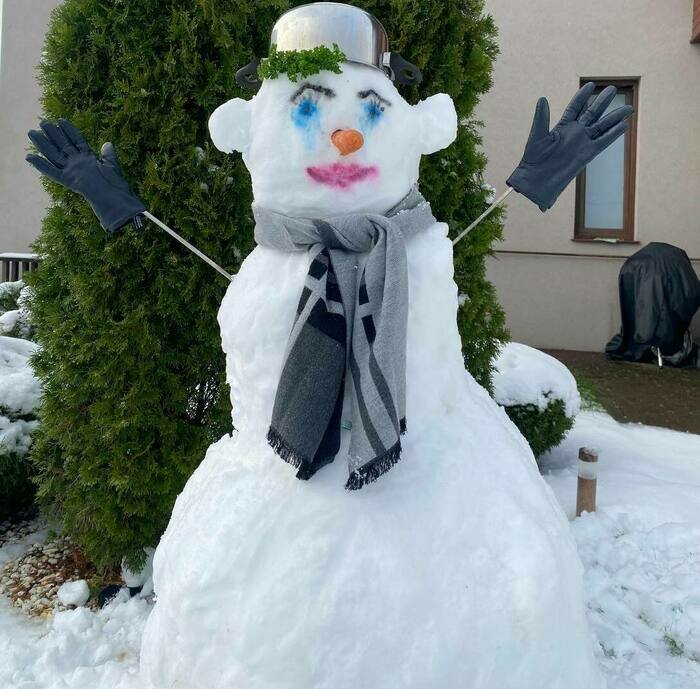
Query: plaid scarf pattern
point(350, 329)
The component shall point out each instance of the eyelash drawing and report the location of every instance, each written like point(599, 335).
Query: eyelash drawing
point(373, 110)
point(306, 86)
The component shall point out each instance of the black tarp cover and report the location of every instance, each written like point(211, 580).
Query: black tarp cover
point(659, 294)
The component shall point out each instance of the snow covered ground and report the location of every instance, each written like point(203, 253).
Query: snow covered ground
point(641, 549)
point(641, 552)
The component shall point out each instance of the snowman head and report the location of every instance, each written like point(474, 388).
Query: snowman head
point(332, 142)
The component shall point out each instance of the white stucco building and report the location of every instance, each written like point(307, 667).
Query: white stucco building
point(556, 273)
point(22, 199)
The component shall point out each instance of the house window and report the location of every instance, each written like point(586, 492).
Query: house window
point(605, 189)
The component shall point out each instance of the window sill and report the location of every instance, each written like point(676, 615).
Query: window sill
point(604, 240)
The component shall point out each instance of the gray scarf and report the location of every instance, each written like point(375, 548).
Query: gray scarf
point(351, 319)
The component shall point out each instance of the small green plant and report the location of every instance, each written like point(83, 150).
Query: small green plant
point(543, 428)
point(675, 647)
point(590, 397)
point(300, 63)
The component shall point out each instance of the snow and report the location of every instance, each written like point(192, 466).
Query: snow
point(19, 394)
point(17, 322)
point(279, 146)
point(76, 649)
point(491, 192)
point(640, 579)
point(641, 549)
point(16, 435)
point(74, 592)
point(524, 375)
point(19, 256)
point(9, 320)
point(144, 578)
point(457, 568)
point(19, 389)
point(15, 319)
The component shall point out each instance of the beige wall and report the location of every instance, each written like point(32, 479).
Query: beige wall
point(546, 46)
point(22, 199)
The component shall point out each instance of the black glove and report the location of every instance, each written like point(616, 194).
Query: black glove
point(71, 162)
point(552, 159)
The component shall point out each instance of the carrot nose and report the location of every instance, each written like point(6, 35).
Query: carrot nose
point(347, 140)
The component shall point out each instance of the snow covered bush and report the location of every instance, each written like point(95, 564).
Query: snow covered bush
point(19, 397)
point(131, 360)
point(15, 319)
point(538, 393)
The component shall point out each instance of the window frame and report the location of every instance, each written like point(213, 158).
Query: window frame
point(627, 233)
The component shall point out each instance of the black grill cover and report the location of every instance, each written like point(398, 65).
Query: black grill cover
point(659, 295)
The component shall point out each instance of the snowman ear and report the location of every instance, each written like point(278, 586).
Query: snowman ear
point(229, 126)
point(438, 122)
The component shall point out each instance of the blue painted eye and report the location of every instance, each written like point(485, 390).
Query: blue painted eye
point(305, 110)
point(373, 111)
point(306, 117)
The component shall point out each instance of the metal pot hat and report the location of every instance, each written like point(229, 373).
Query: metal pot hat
point(358, 34)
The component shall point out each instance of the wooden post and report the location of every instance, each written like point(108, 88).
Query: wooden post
point(587, 480)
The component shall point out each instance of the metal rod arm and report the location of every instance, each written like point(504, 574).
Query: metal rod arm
point(230, 277)
point(492, 207)
point(184, 242)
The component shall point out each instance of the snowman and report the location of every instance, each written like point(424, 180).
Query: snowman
point(374, 520)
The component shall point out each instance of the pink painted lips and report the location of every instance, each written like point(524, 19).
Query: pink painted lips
point(341, 176)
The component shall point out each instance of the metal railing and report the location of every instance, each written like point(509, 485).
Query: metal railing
point(13, 266)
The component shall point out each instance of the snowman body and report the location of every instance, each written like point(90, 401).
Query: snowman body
point(456, 569)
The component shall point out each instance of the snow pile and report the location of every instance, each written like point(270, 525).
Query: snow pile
point(642, 589)
point(15, 320)
point(457, 568)
point(76, 649)
point(641, 549)
point(74, 592)
point(16, 435)
point(524, 375)
point(640, 575)
point(19, 389)
point(19, 395)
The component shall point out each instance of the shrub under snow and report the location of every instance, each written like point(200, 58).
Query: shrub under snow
point(539, 395)
point(19, 397)
point(15, 320)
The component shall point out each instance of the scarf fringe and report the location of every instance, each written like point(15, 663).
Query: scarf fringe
point(374, 469)
point(284, 451)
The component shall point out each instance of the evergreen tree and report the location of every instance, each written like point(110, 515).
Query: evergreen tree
point(131, 362)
